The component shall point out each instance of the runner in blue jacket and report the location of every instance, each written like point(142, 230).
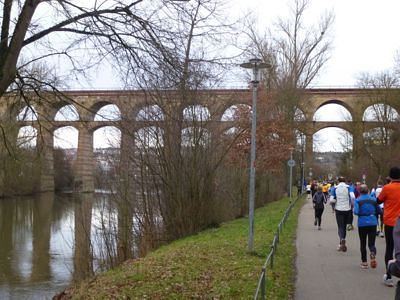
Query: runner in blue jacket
point(367, 209)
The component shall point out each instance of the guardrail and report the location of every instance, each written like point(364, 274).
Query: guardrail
point(261, 290)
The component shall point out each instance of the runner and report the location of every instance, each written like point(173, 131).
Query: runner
point(314, 186)
point(367, 209)
point(331, 189)
point(343, 199)
point(308, 189)
point(319, 201)
point(394, 264)
point(353, 188)
point(390, 196)
point(375, 193)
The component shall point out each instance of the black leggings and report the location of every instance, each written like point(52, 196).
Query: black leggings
point(318, 215)
point(389, 246)
point(351, 217)
point(342, 219)
point(363, 233)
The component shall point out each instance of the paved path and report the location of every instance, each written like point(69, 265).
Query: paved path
point(324, 273)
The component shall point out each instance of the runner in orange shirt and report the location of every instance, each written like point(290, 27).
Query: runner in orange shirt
point(390, 196)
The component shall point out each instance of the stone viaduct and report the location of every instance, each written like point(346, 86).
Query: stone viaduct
point(132, 104)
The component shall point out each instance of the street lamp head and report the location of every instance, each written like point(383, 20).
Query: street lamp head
point(247, 65)
point(255, 63)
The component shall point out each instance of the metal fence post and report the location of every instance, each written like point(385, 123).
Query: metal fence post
point(263, 284)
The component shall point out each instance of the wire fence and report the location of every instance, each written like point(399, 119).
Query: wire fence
point(261, 291)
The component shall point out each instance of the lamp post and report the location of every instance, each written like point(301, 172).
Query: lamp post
point(302, 177)
point(291, 164)
point(256, 65)
point(302, 163)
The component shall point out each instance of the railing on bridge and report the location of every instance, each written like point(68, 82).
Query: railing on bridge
point(261, 290)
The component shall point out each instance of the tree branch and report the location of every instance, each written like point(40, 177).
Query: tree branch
point(88, 14)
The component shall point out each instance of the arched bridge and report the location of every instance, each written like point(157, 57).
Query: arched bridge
point(138, 110)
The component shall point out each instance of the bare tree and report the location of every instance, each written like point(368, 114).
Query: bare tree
point(76, 35)
point(40, 41)
point(297, 52)
point(198, 37)
point(381, 142)
point(178, 161)
point(302, 51)
point(170, 158)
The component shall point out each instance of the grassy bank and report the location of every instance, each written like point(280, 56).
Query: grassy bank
point(213, 264)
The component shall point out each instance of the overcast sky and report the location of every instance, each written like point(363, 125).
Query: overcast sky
point(366, 37)
point(366, 34)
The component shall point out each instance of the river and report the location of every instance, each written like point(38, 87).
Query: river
point(42, 239)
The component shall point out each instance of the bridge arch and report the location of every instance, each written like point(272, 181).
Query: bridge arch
point(322, 140)
point(192, 136)
point(27, 137)
point(104, 109)
point(230, 112)
point(338, 102)
point(151, 112)
point(149, 137)
point(230, 132)
point(67, 112)
point(27, 113)
point(106, 137)
point(299, 115)
point(333, 111)
point(108, 112)
point(380, 112)
point(66, 137)
point(196, 113)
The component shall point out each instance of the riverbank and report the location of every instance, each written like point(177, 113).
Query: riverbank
point(213, 264)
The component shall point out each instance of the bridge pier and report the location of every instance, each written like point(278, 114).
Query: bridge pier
point(84, 167)
point(45, 150)
point(309, 151)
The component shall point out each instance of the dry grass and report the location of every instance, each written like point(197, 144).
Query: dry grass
point(213, 264)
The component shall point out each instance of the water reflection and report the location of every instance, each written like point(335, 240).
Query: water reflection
point(45, 243)
point(82, 259)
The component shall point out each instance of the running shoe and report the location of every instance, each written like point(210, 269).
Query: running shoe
point(364, 265)
point(343, 245)
point(387, 281)
point(373, 262)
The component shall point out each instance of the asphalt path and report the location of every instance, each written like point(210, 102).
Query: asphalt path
point(325, 273)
